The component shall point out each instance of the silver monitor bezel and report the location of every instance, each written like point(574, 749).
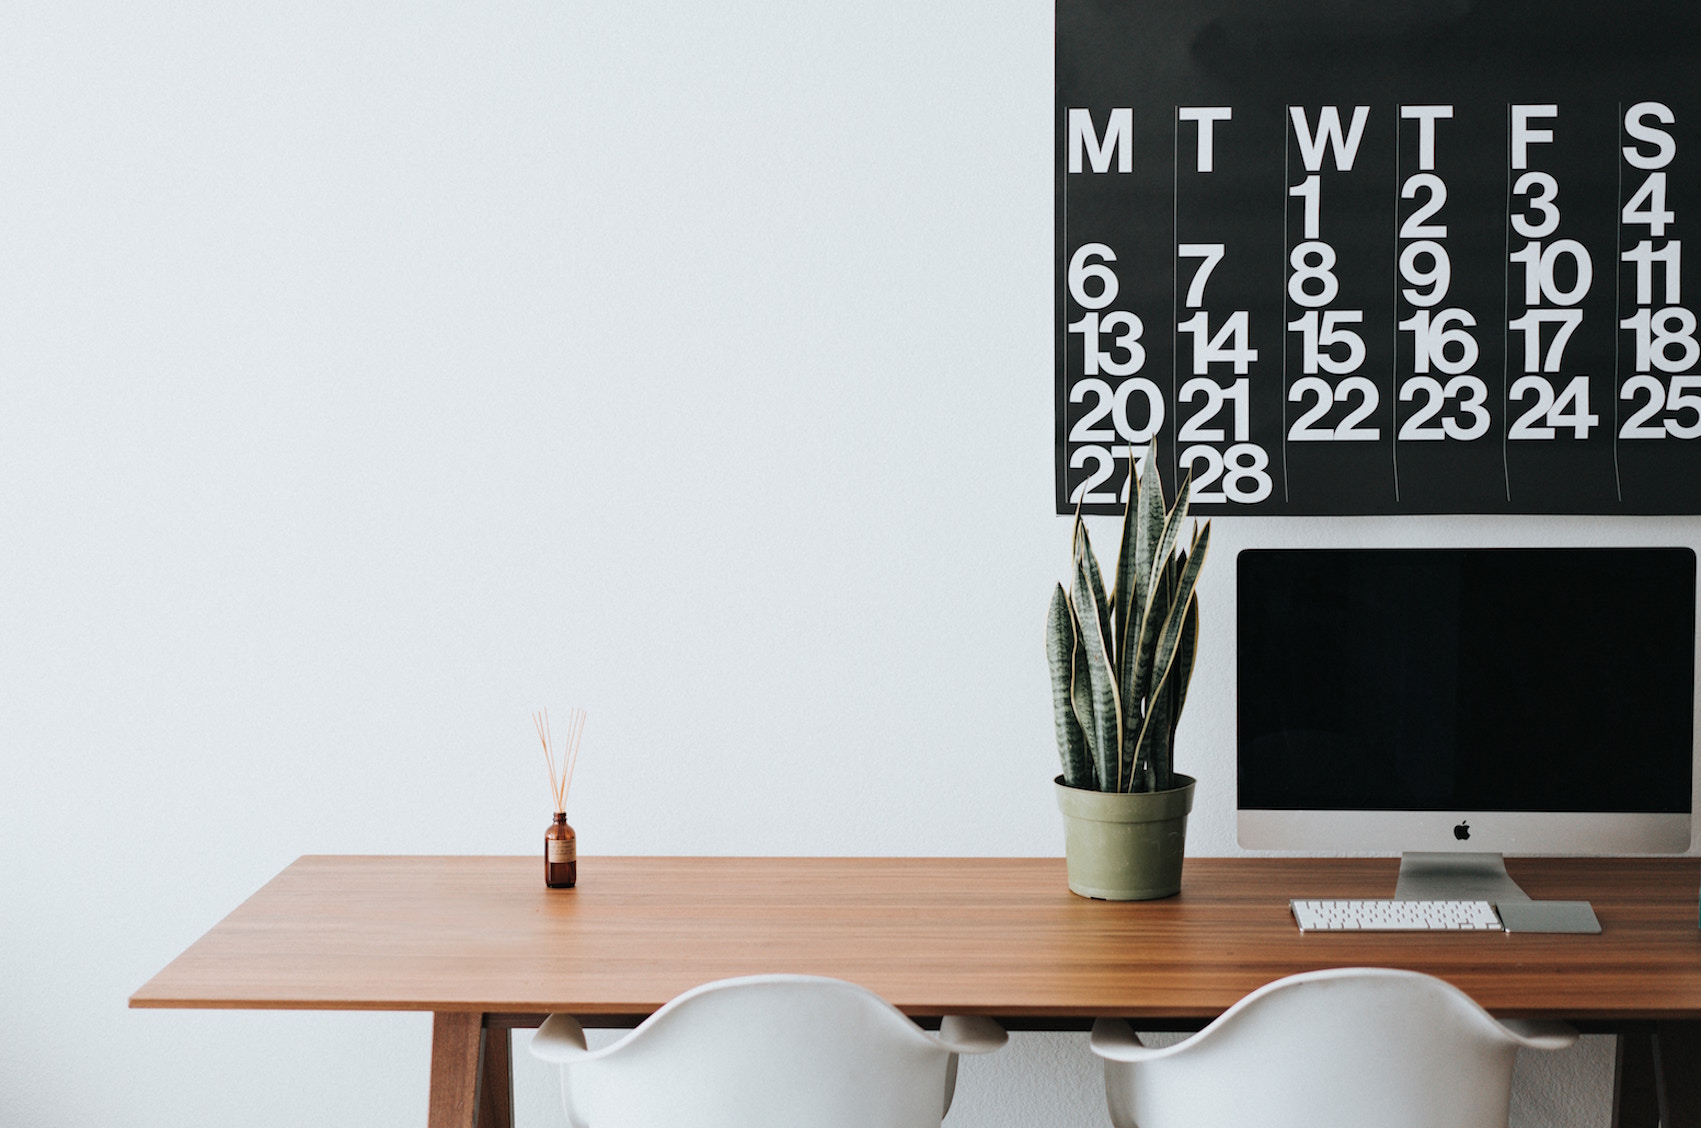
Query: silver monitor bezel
point(1503, 832)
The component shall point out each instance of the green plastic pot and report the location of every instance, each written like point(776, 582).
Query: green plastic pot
point(1125, 846)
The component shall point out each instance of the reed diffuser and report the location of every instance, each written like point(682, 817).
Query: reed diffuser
point(560, 844)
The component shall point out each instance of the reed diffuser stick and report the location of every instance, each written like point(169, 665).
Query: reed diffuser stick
point(560, 779)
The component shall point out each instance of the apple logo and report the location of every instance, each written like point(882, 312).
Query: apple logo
point(1462, 831)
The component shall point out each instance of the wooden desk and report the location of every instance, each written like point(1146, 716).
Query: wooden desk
point(481, 942)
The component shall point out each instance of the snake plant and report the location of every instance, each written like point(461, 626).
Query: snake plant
point(1120, 663)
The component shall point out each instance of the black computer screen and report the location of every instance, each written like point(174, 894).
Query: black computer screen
point(1466, 679)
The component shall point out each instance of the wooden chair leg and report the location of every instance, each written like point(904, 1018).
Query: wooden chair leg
point(456, 1039)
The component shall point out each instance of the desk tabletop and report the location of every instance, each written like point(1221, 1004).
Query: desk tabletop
point(996, 936)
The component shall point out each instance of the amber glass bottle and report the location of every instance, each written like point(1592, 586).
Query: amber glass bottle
point(560, 854)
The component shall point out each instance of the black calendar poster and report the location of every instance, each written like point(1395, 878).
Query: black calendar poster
point(1372, 257)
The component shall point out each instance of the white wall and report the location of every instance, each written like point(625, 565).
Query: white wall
point(372, 375)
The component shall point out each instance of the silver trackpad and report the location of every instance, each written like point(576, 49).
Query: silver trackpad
point(1548, 916)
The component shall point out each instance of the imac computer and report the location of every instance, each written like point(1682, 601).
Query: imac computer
point(1457, 705)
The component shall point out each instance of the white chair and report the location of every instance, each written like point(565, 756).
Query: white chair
point(767, 1051)
point(1343, 1048)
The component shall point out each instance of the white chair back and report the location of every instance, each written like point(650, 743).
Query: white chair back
point(1343, 1048)
point(772, 1051)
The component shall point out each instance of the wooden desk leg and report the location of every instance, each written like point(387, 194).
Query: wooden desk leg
point(1677, 1048)
point(1635, 1088)
point(496, 1085)
point(456, 1039)
point(472, 1085)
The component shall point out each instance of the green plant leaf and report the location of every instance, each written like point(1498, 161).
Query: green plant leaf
point(1172, 696)
point(1085, 557)
point(1138, 683)
point(1081, 692)
point(1157, 606)
point(1060, 647)
point(1092, 610)
point(1152, 764)
point(1185, 652)
point(1169, 639)
point(1142, 526)
point(1080, 684)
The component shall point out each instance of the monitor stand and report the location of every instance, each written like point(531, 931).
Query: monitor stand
point(1447, 876)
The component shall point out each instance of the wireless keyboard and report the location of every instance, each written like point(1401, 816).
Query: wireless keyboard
point(1395, 916)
